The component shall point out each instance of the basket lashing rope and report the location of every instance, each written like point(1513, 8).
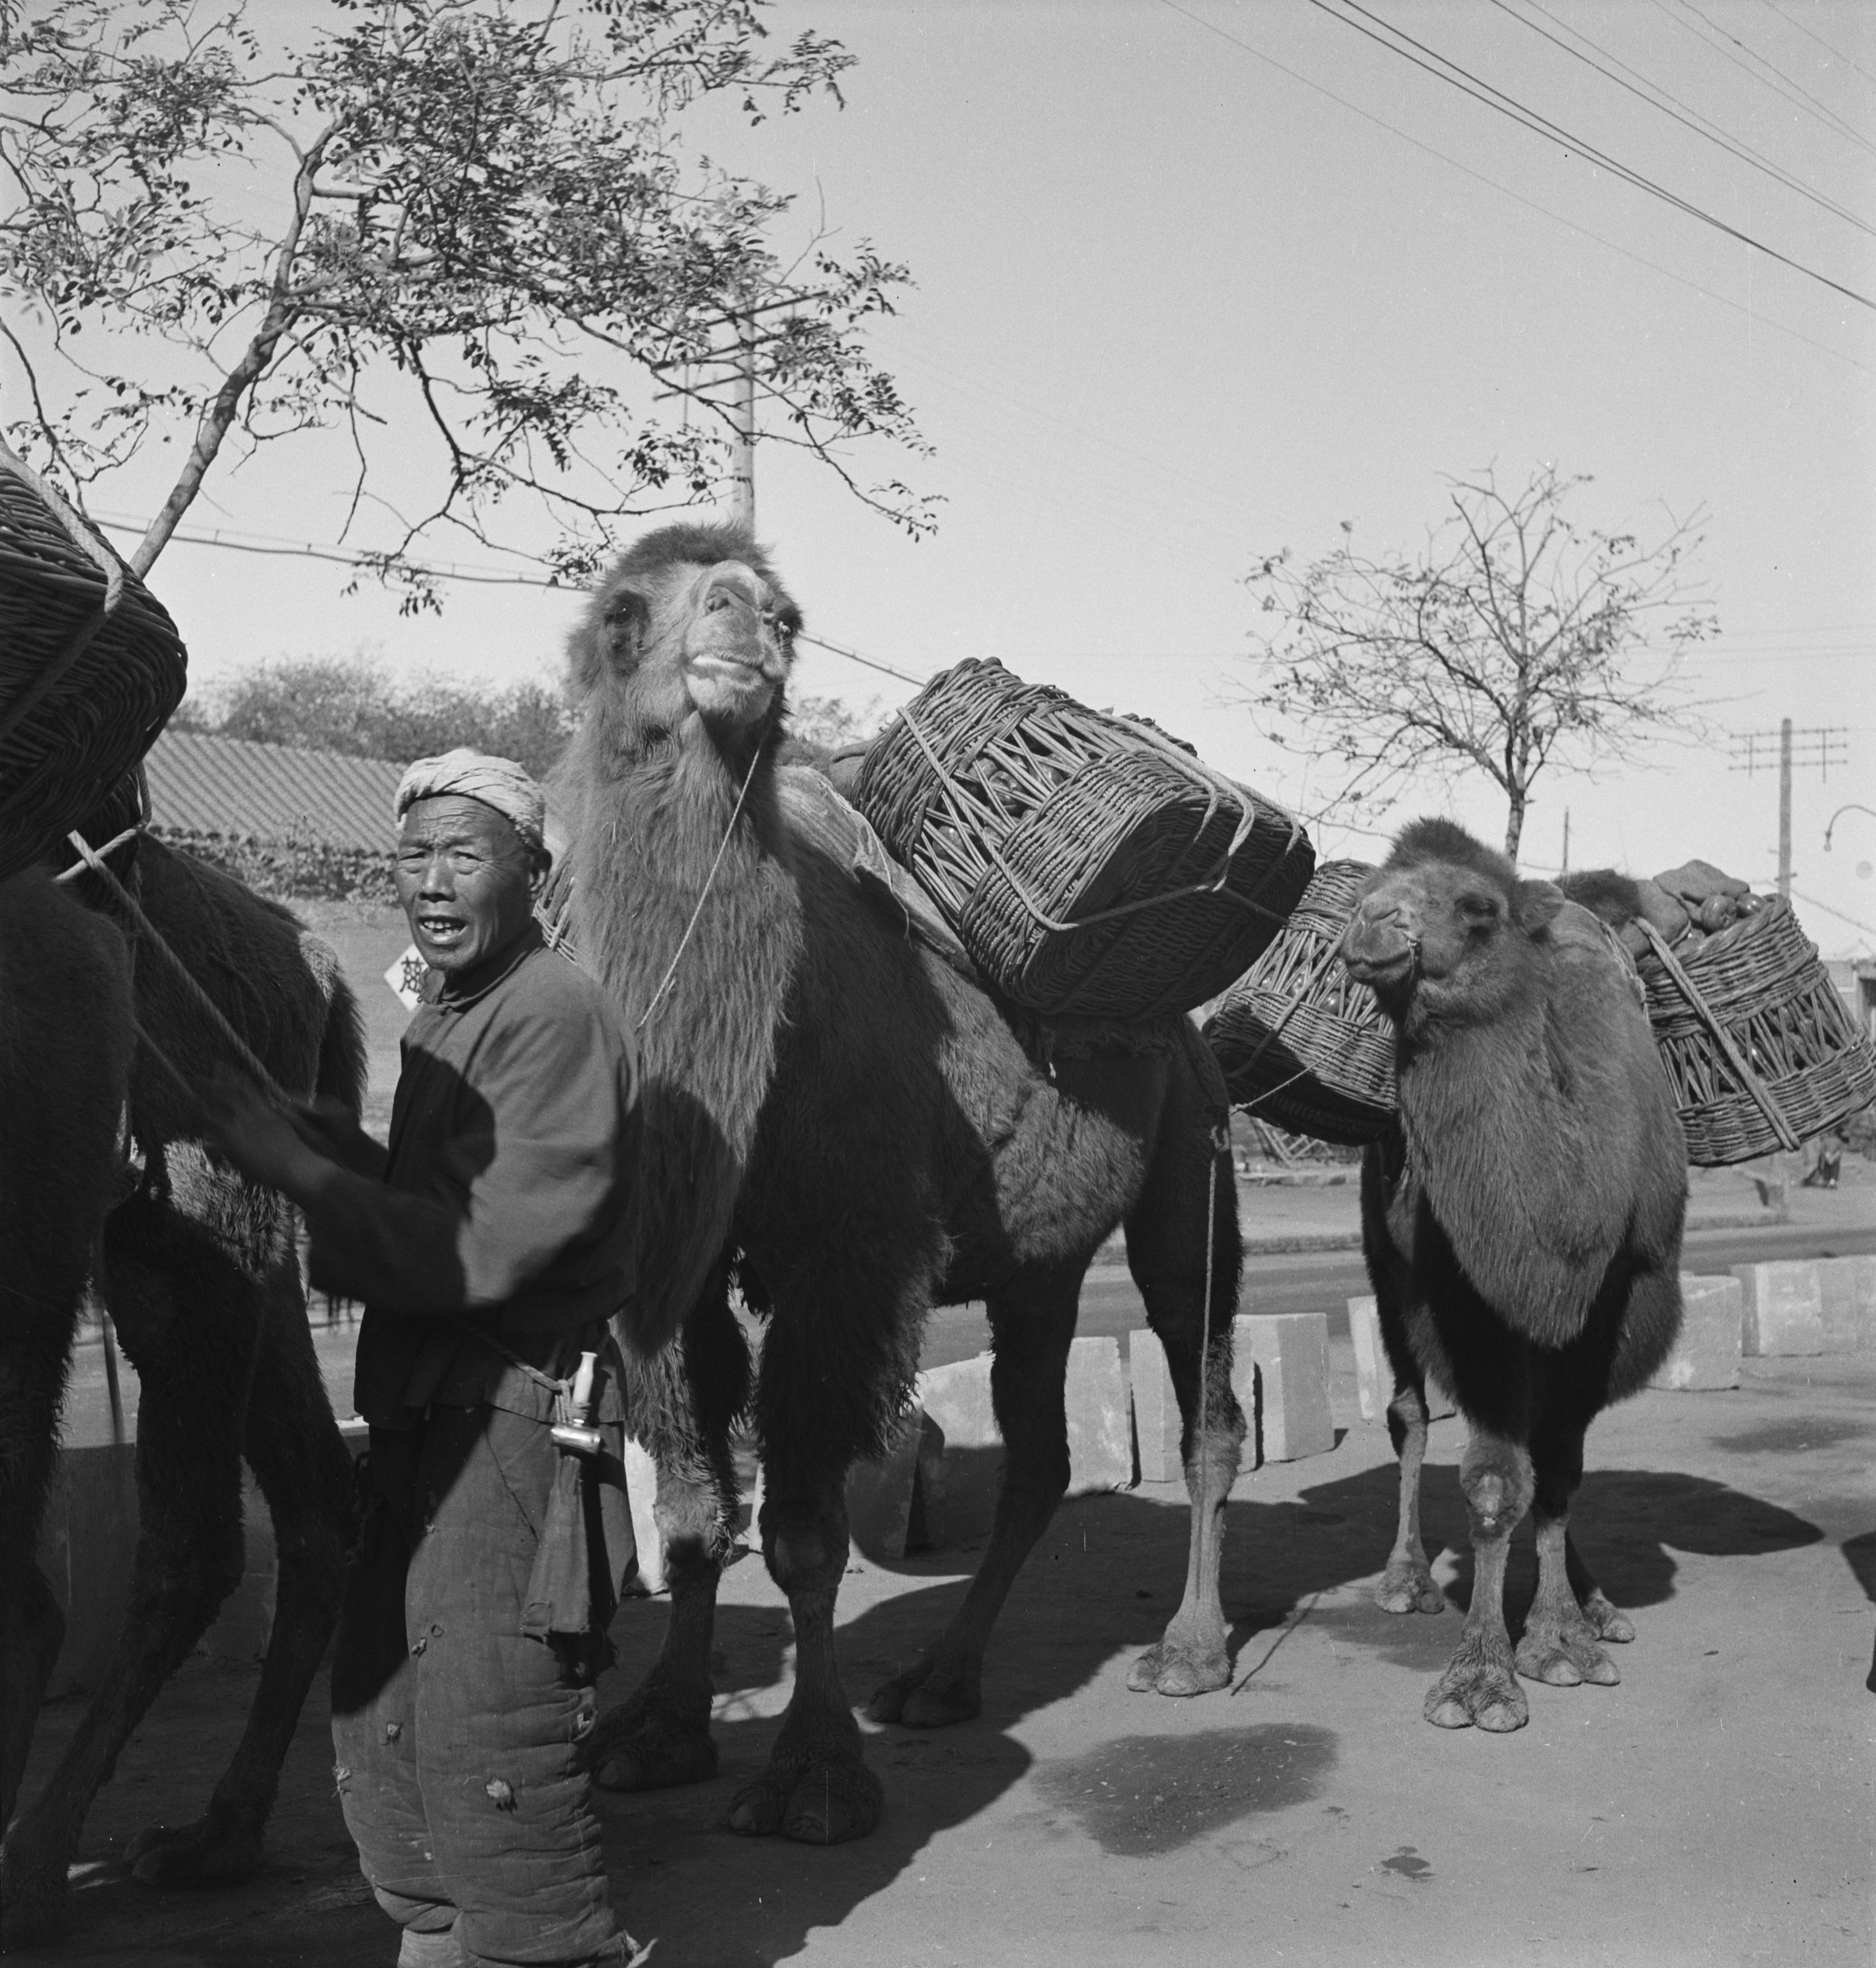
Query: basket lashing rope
point(1216, 883)
point(250, 1061)
point(1749, 1082)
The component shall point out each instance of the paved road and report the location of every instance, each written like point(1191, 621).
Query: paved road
point(1325, 1281)
point(1306, 1281)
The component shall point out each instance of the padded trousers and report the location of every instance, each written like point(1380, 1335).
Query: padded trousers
point(456, 1736)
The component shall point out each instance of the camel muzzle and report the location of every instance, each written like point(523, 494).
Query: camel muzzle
point(1379, 946)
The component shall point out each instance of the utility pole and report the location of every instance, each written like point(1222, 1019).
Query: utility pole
point(1821, 746)
point(1565, 869)
point(743, 420)
point(723, 377)
point(1784, 808)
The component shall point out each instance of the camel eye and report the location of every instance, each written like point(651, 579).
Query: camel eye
point(1480, 908)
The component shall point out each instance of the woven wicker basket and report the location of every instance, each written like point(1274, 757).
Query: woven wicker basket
point(1301, 1044)
point(1761, 1051)
point(90, 666)
point(1089, 864)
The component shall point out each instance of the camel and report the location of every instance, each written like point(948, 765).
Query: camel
point(201, 1275)
point(1522, 1226)
point(868, 1128)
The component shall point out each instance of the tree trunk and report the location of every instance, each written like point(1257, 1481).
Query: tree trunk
point(1514, 826)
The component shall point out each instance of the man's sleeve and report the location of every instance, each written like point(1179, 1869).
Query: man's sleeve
point(539, 1161)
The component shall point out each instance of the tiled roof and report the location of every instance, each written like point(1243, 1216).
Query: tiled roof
point(232, 787)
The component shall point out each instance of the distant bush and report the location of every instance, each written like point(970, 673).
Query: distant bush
point(331, 704)
point(286, 871)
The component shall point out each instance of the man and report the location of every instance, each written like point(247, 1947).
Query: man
point(490, 1244)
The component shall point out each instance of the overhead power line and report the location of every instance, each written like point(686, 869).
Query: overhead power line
point(854, 656)
point(1505, 190)
point(1659, 99)
point(1780, 84)
point(1835, 54)
point(434, 570)
point(1443, 69)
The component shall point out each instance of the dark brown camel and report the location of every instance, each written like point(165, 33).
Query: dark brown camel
point(867, 1126)
point(201, 1277)
point(1522, 1232)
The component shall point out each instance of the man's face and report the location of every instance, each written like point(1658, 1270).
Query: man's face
point(467, 879)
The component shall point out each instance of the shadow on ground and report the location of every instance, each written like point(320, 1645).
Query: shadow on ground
point(1100, 1584)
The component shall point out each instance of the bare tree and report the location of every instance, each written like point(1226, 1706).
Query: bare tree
point(470, 226)
point(1518, 640)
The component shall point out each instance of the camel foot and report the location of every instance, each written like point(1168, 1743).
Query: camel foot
point(1408, 1587)
point(1478, 1690)
point(1176, 1669)
point(652, 1744)
point(826, 1804)
point(931, 1697)
point(1609, 1622)
point(1563, 1653)
point(216, 1850)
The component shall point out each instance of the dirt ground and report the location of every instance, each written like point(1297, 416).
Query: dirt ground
point(1714, 1809)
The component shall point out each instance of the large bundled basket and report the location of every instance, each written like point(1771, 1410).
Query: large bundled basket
point(90, 667)
point(1301, 1044)
point(1761, 1051)
point(1090, 865)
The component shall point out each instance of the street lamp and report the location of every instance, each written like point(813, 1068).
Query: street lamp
point(1852, 807)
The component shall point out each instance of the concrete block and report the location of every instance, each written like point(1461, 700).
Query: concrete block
point(1783, 1309)
point(879, 1495)
point(87, 1540)
point(1706, 1355)
point(1100, 1444)
point(960, 1457)
point(1848, 1286)
point(956, 1398)
point(641, 1490)
point(1282, 1360)
point(1156, 1408)
point(1288, 1356)
point(1374, 1376)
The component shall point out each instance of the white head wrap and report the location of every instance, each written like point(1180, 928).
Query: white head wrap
point(497, 782)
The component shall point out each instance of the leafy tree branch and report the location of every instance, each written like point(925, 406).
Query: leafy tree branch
point(477, 219)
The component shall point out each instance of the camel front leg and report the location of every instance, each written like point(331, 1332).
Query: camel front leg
point(1408, 1585)
point(294, 1446)
point(817, 1788)
point(187, 1560)
point(659, 1737)
point(1569, 1616)
point(681, 1405)
point(1479, 1686)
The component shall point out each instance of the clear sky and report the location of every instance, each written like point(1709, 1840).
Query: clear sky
point(1202, 280)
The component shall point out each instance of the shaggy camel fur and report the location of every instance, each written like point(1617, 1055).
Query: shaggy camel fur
point(867, 1126)
point(1522, 1232)
point(201, 1275)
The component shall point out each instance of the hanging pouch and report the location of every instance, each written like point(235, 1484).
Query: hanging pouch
point(587, 1551)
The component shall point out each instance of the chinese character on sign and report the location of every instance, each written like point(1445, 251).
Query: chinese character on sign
point(406, 978)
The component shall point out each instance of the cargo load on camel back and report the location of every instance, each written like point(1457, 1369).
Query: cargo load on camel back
point(1756, 1043)
point(1091, 865)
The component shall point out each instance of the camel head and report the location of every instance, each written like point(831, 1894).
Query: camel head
point(690, 629)
point(1445, 930)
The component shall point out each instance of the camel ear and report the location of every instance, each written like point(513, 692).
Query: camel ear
point(1534, 904)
